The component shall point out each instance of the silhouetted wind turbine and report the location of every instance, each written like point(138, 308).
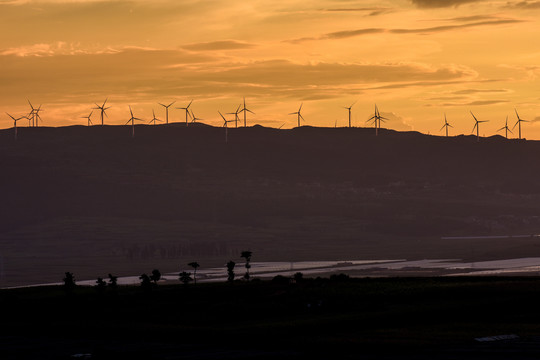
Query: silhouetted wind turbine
point(15, 123)
point(187, 111)
point(377, 118)
point(34, 115)
point(505, 127)
point(31, 114)
point(446, 125)
point(88, 117)
point(166, 111)
point(194, 118)
point(477, 127)
point(348, 108)
point(518, 122)
point(103, 110)
point(299, 114)
point(225, 124)
point(132, 119)
point(245, 110)
point(154, 119)
point(236, 118)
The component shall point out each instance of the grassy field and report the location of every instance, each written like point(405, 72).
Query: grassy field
point(405, 318)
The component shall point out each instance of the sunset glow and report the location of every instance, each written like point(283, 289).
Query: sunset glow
point(416, 59)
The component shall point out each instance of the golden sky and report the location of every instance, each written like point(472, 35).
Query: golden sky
point(416, 59)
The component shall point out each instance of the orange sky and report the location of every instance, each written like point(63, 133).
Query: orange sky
point(417, 59)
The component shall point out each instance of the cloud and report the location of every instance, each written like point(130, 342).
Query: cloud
point(396, 122)
point(478, 91)
point(219, 45)
point(477, 103)
point(429, 30)
point(287, 73)
point(371, 11)
point(528, 5)
point(441, 3)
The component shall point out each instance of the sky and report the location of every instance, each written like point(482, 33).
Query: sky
point(416, 59)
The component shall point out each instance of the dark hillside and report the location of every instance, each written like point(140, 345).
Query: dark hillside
point(94, 200)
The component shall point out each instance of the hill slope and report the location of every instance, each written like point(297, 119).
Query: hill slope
point(94, 200)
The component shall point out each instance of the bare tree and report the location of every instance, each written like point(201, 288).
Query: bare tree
point(247, 255)
point(230, 271)
point(194, 265)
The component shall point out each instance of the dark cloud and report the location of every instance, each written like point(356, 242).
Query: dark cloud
point(371, 11)
point(479, 91)
point(477, 103)
point(285, 73)
point(473, 18)
point(524, 5)
point(435, 29)
point(219, 45)
point(441, 3)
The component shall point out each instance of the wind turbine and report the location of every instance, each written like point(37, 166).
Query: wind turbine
point(102, 108)
point(299, 114)
point(446, 125)
point(236, 118)
point(88, 117)
point(15, 123)
point(349, 108)
point(187, 111)
point(154, 119)
point(225, 124)
point(505, 127)
point(194, 118)
point(518, 122)
point(166, 111)
point(477, 126)
point(132, 119)
point(245, 110)
point(377, 118)
point(34, 115)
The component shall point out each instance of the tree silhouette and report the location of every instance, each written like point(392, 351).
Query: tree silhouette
point(113, 281)
point(185, 277)
point(156, 275)
point(69, 281)
point(247, 255)
point(230, 271)
point(298, 277)
point(194, 265)
point(100, 284)
point(146, 283)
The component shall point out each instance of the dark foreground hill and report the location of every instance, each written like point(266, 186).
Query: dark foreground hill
point(93, 200)
point(406, 319)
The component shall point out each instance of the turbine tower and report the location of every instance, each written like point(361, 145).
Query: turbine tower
point(236, 118)
point(446, 125)
point(186, 110)
point(518, 123)
point(245, 110)
point(33, 116)
point(166, 111)
point(505, 127)
point(299, 114)
point(477, 126)
point(103, 110)
point(348, 108)
point(377, 118)
point(88, 117)
point(132, 120)
point(154, 119)
point(15, 123)
point(225, 124)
